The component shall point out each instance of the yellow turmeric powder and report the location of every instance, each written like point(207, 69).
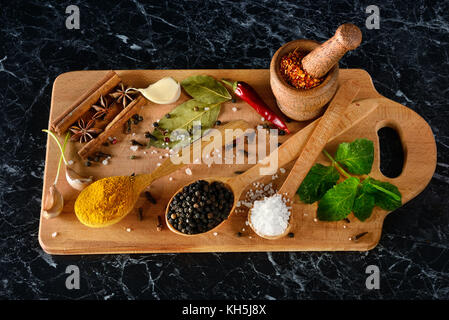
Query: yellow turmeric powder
point(105, 201)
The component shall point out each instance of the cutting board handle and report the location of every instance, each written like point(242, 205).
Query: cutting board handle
point(418, 145)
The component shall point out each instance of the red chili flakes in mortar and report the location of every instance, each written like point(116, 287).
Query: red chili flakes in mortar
point(293, 73)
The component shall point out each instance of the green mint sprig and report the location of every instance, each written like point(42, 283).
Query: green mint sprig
point(337, 201)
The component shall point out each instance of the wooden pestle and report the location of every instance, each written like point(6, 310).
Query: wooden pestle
point(320, 60)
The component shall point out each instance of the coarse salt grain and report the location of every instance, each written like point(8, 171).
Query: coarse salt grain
point(170, 178)
point(270, 216)
point(134, 148)
point(188, 171)
point(234, 109)
point(105, 162)
point(158, 164)
point(54, 234)
point(215, 233)
point(128, 229)
point(282, 170)
point(70, 162)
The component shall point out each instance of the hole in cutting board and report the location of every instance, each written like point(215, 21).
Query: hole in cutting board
point(391, 152)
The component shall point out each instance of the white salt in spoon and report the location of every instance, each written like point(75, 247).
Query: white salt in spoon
point(315, 144)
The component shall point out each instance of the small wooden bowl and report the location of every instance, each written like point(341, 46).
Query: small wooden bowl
point(301, 104)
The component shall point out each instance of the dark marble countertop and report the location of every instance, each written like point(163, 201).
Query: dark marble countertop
point(407, 58)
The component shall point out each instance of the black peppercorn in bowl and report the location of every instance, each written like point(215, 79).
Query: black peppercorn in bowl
point(199, 207)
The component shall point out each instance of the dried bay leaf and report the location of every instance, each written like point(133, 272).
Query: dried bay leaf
point(206, 89)
point(181, 120)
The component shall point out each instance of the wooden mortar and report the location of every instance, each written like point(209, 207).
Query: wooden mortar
point(320, 61)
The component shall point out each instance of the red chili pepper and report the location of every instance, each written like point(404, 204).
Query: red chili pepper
point(250, 96)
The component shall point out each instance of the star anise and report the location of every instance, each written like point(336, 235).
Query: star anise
point(84, 132)
point(102, 109)
point(125, 96)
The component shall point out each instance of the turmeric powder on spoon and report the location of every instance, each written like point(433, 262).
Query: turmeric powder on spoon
point(106, 201)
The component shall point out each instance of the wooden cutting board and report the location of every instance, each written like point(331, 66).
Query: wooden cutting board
point(364, 118)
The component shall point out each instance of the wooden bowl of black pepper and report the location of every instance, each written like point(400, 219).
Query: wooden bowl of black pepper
point(199, 207)
point(301, 103)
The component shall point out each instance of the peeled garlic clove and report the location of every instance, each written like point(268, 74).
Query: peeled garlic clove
point(75, 180)
point(165, 91)
point(54, 203)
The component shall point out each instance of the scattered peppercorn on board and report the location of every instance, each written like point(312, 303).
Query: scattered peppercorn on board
point(366, 115)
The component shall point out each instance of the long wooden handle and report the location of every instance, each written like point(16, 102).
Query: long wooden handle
point(319, 61)
point(167, 167)
point(291, 148)
point(319, 138)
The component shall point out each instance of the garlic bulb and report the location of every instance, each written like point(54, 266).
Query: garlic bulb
point(75, 180)
point(54, 202)
point(165, 91)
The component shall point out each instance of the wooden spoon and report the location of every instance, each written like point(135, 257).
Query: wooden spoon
point(139, 183)
point(286, 153)
point(315, 144)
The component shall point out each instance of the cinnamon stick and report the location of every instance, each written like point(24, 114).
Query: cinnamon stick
point(114, 126)
point(114, 109)
point(83, 104)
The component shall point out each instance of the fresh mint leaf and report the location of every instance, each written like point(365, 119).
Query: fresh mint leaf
point(337, 203)
point(363, 205)
point(384, 200)
point(356, 156)
point(319, 179)
point(206, 89)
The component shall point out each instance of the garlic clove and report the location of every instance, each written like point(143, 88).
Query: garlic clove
point(75, 180)
point(54, 203)
point(165, 91)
